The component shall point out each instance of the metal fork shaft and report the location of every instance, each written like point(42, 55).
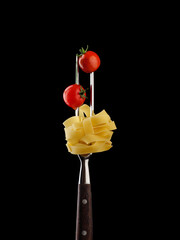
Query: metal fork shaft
point(91, 93)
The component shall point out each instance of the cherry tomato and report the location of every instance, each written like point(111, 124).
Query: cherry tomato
point(89, 61)
point(74, 96)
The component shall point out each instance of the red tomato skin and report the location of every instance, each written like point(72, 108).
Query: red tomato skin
point(72, 97)
point(89, 62)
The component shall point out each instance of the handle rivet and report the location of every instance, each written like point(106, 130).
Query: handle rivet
point(84, 201)
point(84, 233)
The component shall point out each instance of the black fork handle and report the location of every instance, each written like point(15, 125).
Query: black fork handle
point(84, 221)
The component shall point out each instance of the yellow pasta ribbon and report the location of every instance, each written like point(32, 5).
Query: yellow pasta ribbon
point(89, 134)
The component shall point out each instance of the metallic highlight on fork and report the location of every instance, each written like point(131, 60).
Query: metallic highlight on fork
point(91, 93)
point(84, 176)
point(77, 80)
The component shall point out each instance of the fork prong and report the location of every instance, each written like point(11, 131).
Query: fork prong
point(77, 80)
point(91, 93)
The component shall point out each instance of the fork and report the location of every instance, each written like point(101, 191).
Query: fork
point(84, 218)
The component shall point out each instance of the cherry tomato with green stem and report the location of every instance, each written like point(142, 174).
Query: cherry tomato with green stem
point(89, 61)
point(74, 96)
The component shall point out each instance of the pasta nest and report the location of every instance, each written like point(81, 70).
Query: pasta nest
point(89, 134)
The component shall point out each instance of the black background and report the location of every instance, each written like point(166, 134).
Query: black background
point(130, 181)
point(122, 178)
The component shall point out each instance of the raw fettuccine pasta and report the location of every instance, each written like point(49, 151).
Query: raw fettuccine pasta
point(85, 134)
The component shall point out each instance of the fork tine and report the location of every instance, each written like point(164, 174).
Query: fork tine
point(91, 93)
point(77, 80)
